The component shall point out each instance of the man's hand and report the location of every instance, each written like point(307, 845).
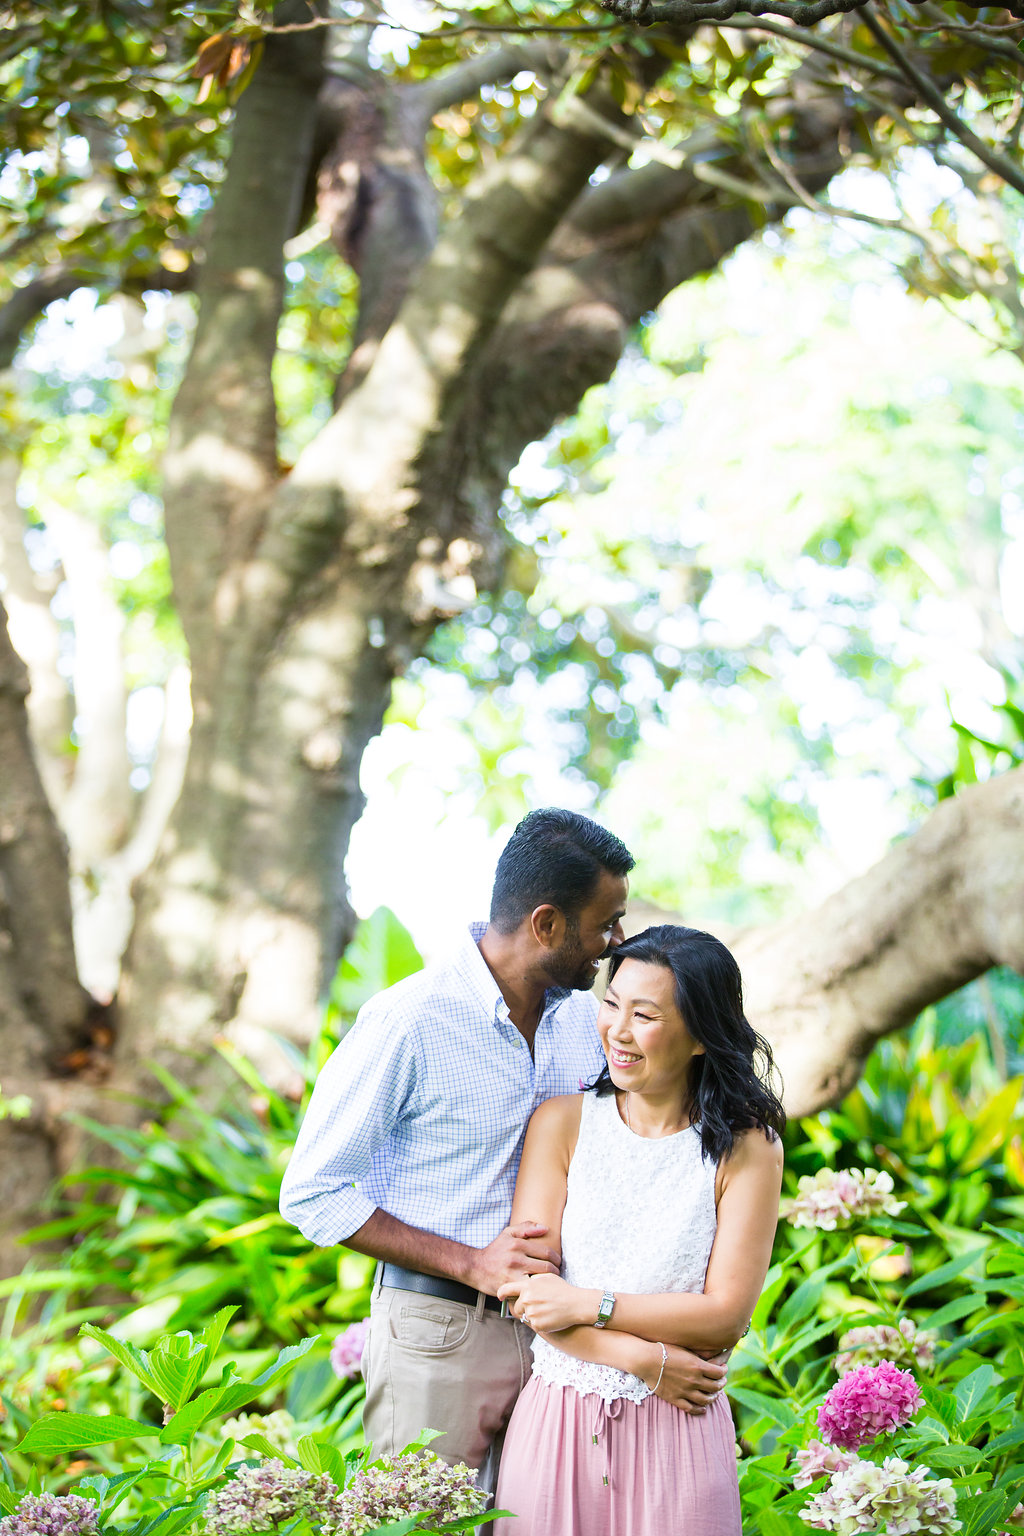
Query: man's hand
point(688, 1382)
point(515, 1252)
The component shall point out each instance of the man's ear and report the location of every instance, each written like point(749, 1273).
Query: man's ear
point(547, 924)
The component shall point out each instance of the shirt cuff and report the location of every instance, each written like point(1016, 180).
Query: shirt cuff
point(328, 1219)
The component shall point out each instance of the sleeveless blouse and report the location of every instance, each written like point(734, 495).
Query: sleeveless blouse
point(639, 1218)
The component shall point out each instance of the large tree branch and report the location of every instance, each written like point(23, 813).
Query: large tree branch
point(646, 13)
point(464, 81)
point(368, 467)
point(624, 245)
point(26, 304)
point(221, 462)
point(942, 907)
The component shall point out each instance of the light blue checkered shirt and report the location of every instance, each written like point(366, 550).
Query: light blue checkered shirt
point(422, 1108)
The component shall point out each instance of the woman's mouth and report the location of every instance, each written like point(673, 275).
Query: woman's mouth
point(621, 1058)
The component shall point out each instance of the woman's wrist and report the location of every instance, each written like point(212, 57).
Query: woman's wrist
point(647, 1361)
point(589, 1305)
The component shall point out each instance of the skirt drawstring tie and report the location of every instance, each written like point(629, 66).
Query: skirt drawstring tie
point(602, 1413)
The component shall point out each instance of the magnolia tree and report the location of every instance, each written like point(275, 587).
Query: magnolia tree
point(485, 208)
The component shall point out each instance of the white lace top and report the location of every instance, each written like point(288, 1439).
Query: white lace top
point(639, 1218)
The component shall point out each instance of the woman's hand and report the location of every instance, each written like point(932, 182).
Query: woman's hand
point(687, 1381)
point(547, 1304)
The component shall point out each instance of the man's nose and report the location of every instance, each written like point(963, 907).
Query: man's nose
point(617, 937)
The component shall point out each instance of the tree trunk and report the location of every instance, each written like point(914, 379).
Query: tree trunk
point(44, 1012)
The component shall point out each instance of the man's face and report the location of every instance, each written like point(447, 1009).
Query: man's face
point(591, 936)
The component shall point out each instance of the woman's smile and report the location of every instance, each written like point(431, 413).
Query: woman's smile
point(622, 1058)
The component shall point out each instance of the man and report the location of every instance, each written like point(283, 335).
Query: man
point(411, 1143)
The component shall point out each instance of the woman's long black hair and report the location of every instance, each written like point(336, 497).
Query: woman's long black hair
point(730, 1083)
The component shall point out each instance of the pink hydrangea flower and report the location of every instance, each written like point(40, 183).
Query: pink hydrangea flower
point(347, 1349)
point(832, 1198)
point(868, 1402)
point(816, 1459)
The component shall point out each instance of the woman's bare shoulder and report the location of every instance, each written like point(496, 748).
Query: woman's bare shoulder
point(562, 1113)
point(756, 1148)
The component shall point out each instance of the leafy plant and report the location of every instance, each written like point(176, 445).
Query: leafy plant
point(179, 1477)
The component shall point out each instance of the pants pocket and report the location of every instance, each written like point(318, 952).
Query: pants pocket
point(430, 1330)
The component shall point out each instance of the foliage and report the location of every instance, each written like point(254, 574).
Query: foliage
point(191, 1223)
point(191, 1474)
point(946, 1268)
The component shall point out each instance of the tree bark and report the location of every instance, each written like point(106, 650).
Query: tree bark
point(43, 1008)
point(942, 907)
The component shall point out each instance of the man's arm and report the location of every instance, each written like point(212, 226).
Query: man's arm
point(357, 1102)
point(516, 1251)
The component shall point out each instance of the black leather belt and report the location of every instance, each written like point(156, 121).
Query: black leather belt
point(433, 1285)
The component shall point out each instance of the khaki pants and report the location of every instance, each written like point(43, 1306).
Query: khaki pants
point(436, 1364)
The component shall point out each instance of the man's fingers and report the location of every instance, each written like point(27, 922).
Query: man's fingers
point(535, 1250)
point(526, 1229)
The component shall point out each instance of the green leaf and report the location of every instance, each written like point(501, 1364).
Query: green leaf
point(315, 1456)
point(953, 1455)
point(176, 1362)
point(172, 1520)
point(941, 1402)
point(112, 1490)
point(134, 1360)
point(8, 1503)
point(983, 1512)
point(75, 1431)
point(1007, 1233)
point(1006, 1441)
point(945, 1272)
point(772, 1522)
point(805, 1338)
point(970, 1392)
point(284, 1362)
point(211, 1404)
point(260, 1443)
point(804, 1301)
point(774, 1407)
point(960, 1306)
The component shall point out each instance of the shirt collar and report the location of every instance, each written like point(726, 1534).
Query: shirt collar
point(480, 977)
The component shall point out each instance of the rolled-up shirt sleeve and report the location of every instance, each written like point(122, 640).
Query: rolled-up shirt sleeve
point(359, 1097)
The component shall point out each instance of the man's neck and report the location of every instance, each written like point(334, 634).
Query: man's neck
point(522, 989)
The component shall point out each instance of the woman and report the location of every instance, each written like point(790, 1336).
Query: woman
point(664, 1184)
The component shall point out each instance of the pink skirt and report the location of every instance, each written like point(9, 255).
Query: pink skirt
point(576, 1466)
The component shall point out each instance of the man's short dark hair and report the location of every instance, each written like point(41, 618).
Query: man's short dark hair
point(553, 856)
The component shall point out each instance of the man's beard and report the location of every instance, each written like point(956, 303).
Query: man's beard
point(569, 965)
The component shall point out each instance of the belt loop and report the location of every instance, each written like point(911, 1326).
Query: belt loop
point(481, 1303)
point(377, 1279)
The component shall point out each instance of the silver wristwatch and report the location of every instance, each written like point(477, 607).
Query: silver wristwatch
point(604, 1311)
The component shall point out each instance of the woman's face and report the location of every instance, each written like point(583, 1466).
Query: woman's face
point(645, 1038)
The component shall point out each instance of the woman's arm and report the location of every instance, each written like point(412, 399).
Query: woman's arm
point(551, 1136)
point(710, 1321)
